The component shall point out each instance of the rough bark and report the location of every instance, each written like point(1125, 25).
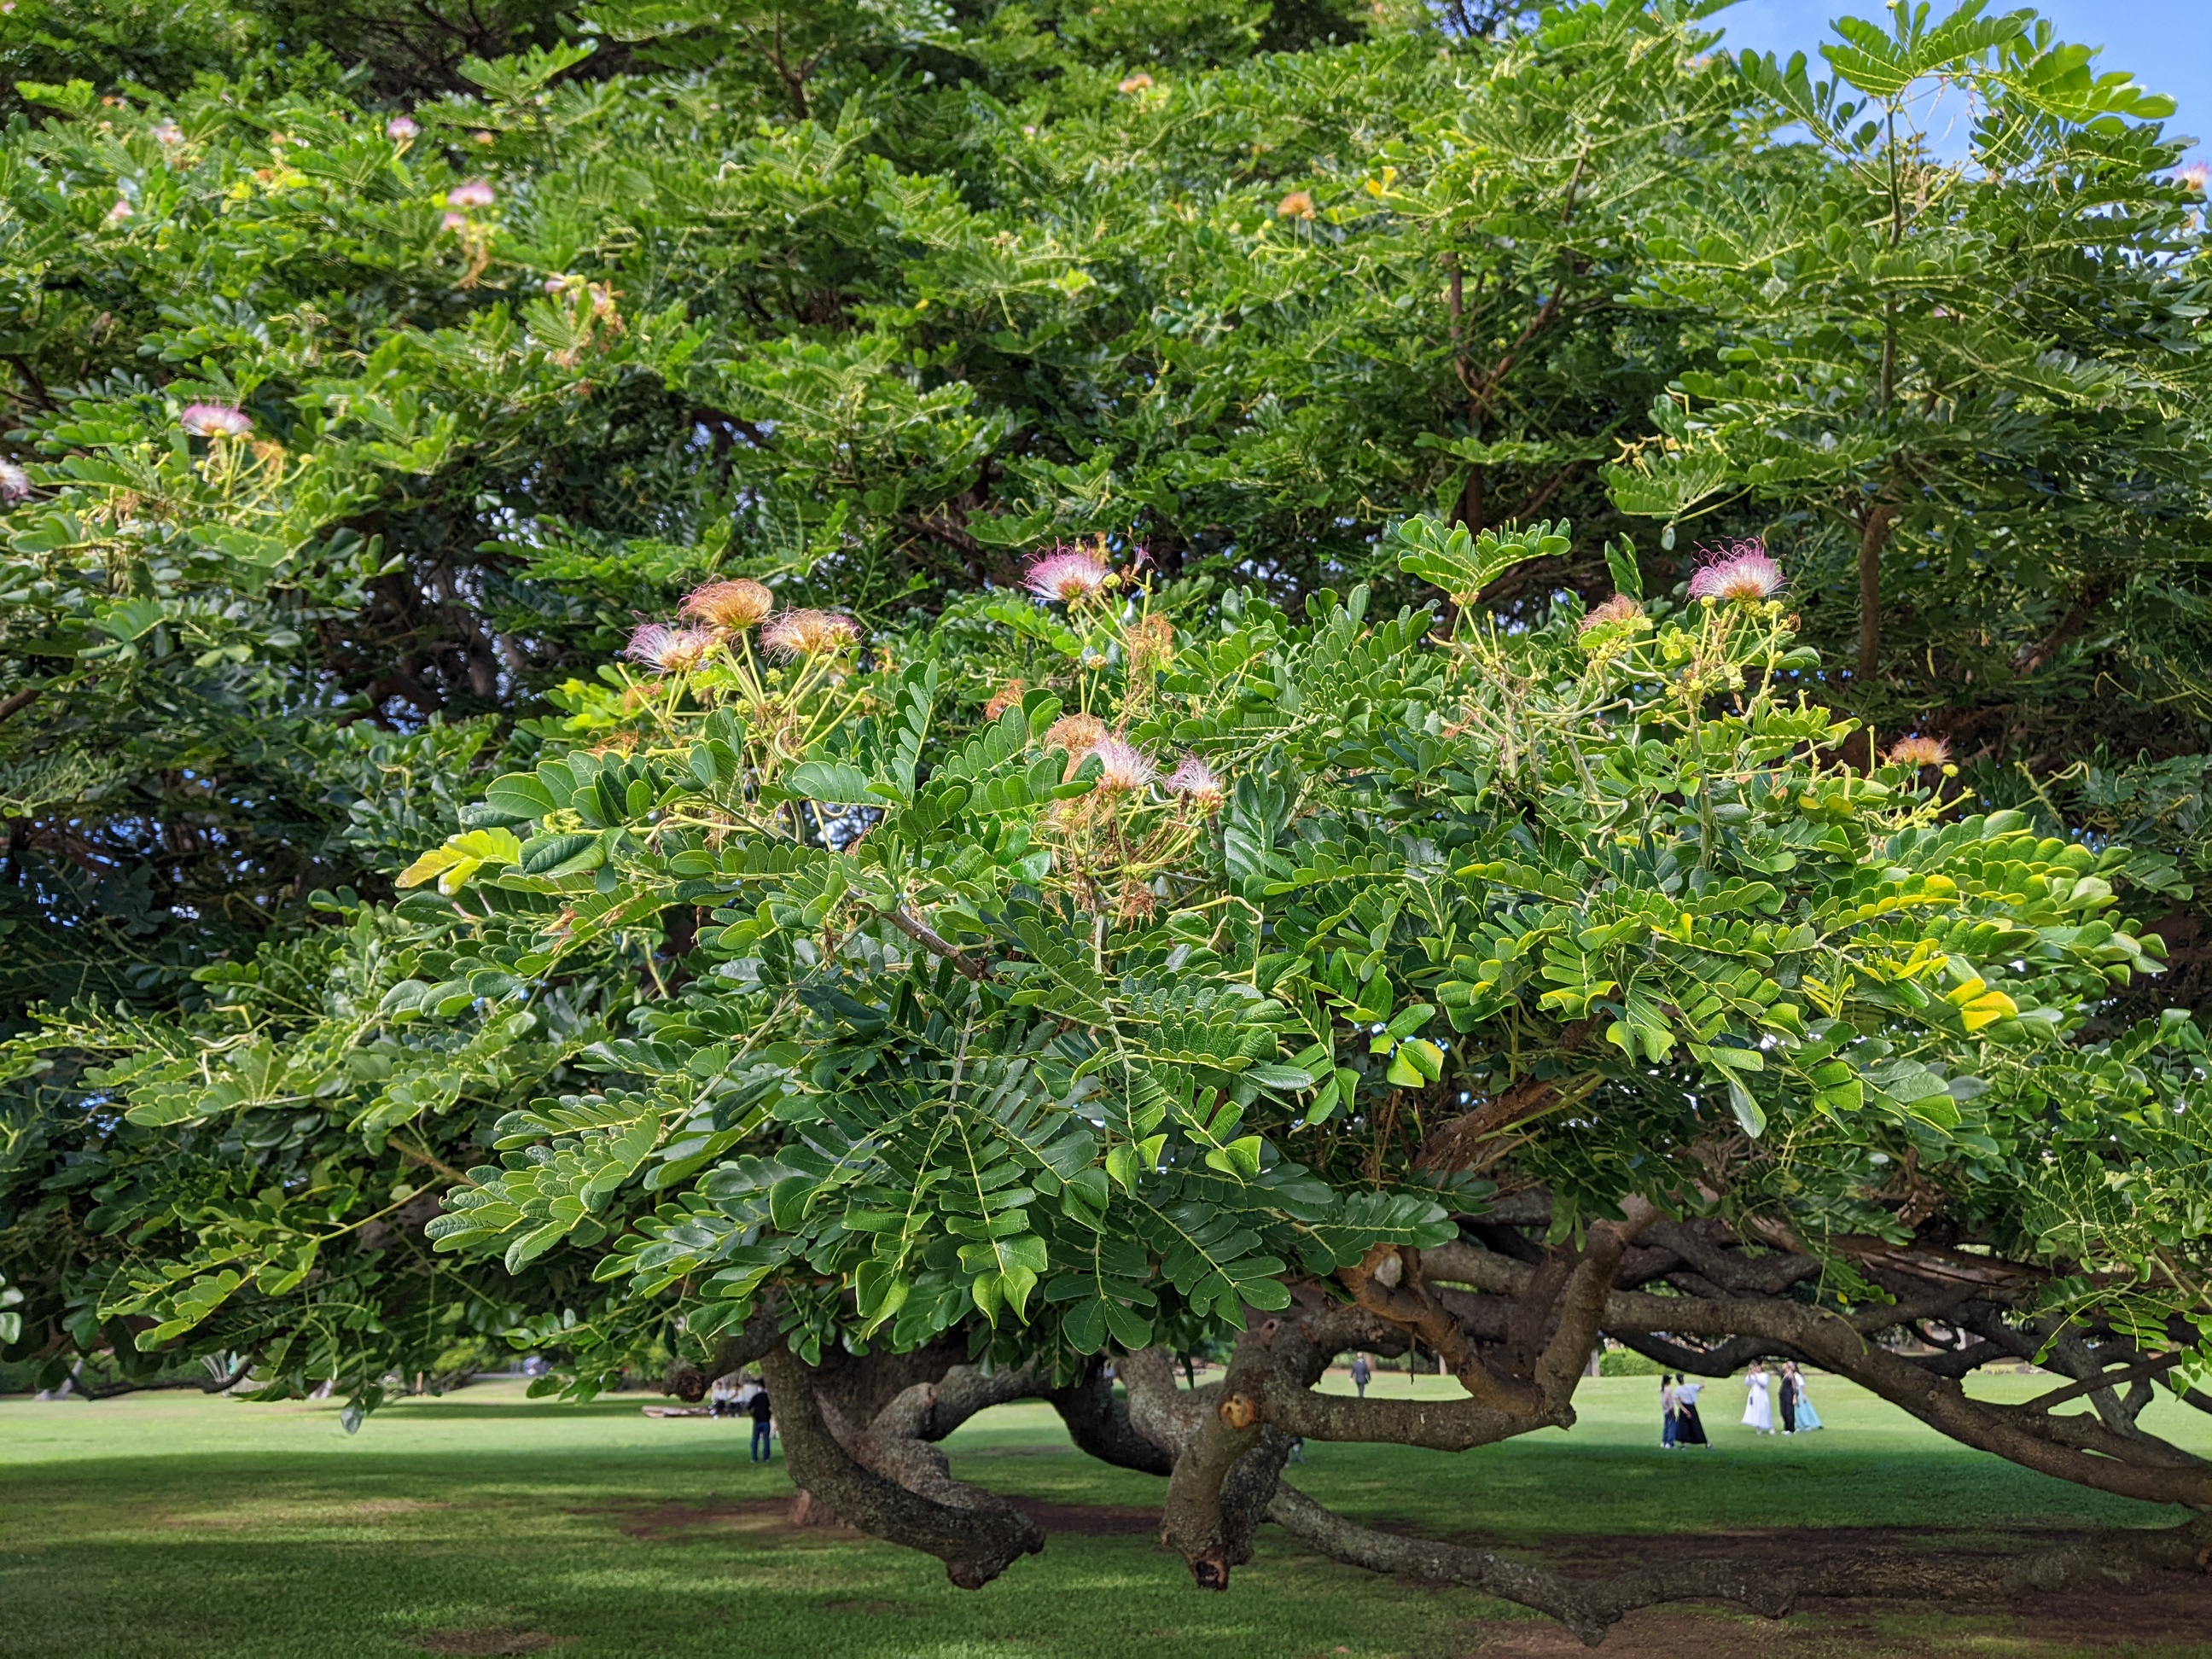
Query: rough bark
point(1590, 1606)
point(894, 1488)
point(1098, 1422)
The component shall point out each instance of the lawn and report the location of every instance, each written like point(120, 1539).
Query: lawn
point(483, 1522)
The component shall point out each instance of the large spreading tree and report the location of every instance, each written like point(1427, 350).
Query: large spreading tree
point(937, 696)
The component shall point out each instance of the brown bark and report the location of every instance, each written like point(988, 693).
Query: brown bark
point(898, 1489)
point(1590, 1606)
point(1874, 536)
point(1475, 1139)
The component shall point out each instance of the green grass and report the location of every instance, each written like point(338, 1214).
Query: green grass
point(172, 1524)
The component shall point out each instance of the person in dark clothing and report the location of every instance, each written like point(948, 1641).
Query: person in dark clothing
point(1689, 1427)
point(764, 1449)
point(1787, 1385)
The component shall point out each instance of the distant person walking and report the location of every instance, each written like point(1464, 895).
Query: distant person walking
point(1669, 1405)
point(1689, 1427)
point(763, 1446)
point(1785, 1387)
point(1758, 1401)
point(1362, 1374)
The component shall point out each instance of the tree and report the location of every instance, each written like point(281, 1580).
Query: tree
point(927, 967)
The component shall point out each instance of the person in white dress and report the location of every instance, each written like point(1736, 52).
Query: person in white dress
point(1758, 1401)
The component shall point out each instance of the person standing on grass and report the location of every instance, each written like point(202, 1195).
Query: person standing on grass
point(1759, 1399)
point(1807, 1419)
point(1669, 1404)
point(1785, 1386)
point(1362, 1374)
point(763, 1446)
point(1689, 1427)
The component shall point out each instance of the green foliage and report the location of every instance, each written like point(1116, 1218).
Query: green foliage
point(389, 969)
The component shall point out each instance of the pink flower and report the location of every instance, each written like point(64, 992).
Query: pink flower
point(14, 483)
point(1919, 751)
point(1617, 609)
point(455, 222)
point(2195, 176)
point(1126, 767)
point(400, 128)
point(808, 633)
point(477, 193)
point(729, 605)
point(119, 212)
point(168, 132)
point(1066, 573)
point(1195, 779)
point(669, 650)
point(215, 421)
point(1741, 571)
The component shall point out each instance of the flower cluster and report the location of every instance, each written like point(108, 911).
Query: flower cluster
point(215, 421)
point(400, 128)
point(1741, 571)
point(477, 193)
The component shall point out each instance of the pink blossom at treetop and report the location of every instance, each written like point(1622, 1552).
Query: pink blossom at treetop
point(669, 650)
point(1617, 609)
point(477, 193)
point(215, 421)
point(2197, 176)
point(808, 633)
point(1195, 779)
point(1740, 571)
point(1126, 767)
point(1066, 573)
point(400, 129)
point(1917, 750)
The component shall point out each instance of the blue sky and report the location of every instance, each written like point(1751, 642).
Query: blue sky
point(2164, 44)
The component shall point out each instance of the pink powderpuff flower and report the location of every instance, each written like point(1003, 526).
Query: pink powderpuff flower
point(729, 606)
point(1741, 571)
point(808, 633)
point(456, 223)
point(1617, 609)
point(14, 483)
point(215, 421)
point(1126, 767)
point(168, 132)
point(119, 212)
point(477, 193)
point(1066, 573)
point(1195, 779)
point(669, 650)
point(2197, 176)
point(400, 128)
point(1919, 751)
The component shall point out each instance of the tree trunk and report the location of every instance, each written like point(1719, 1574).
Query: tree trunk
point(1874, 536)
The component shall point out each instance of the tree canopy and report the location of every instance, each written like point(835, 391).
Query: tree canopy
point(937, 694)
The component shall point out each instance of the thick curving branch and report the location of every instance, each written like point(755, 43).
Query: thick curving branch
point(897, 1489)
point(1590, 1606)
point(1098, 1422)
